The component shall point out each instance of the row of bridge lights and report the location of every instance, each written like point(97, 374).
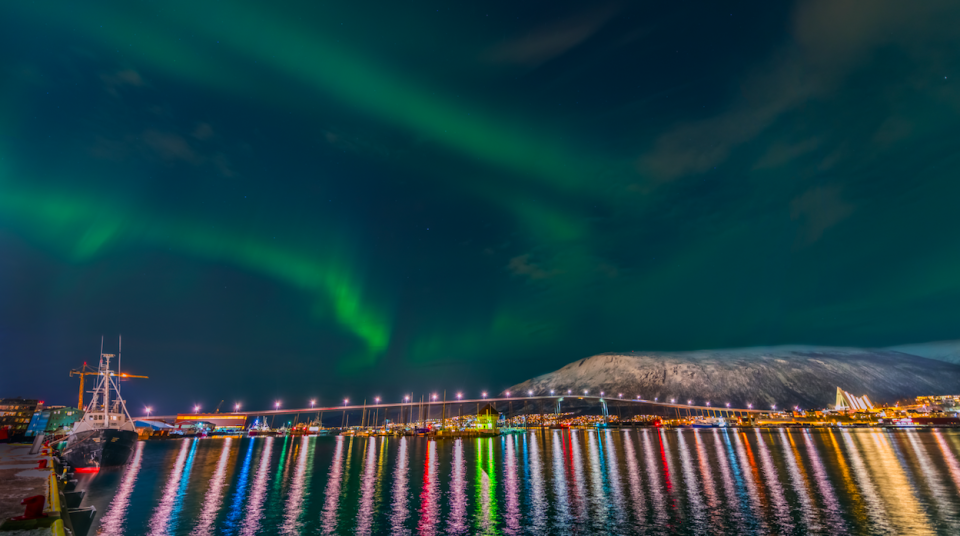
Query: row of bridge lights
point(236, 407)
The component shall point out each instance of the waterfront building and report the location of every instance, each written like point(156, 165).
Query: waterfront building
point(15, 415)
point(52, 419)
point(218, 422)
point(847, 402)
point(487, 419)
point(949, 403)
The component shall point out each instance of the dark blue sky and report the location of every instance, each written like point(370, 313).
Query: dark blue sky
point(327, 200)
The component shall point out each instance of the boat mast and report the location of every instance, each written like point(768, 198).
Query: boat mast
point(105, 370)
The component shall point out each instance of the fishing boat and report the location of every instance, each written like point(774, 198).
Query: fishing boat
point(105, 436)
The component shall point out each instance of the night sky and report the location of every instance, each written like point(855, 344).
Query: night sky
point(352, 199)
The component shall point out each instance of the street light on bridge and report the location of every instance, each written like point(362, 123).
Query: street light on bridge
point(728, 404)
point(236, 407)
point(312, 402)
point(196, 409)
point(484, 395)
point(530, 393)
point(149, 409)
point(749, 406)
point(551, 391)
point(708, 402)
point(508, 393)
point(459, 395)
point(345, 400)
point(277, 405)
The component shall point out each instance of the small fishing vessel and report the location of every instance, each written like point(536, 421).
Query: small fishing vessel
point(105, 436)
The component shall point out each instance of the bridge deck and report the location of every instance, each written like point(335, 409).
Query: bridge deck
point(637, 401)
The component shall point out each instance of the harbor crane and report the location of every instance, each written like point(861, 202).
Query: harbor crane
point(87, 370)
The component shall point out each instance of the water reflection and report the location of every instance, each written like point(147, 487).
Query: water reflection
point(562, 517)
point(659, 502)
point(637, 501)
point(171, 496)
point(258, 492)
point(112, 523)
point(598, 497)
point(458, 491)
point(706, 478)
point(367, 487)
point(332, 493)
point(211, 503)
point(429, 494)
point(399, 512)
point(611, 468)
point(546, 482)
point(827, 495)
point(800, 483)
point(538, 505)
point(236, 509)
point(291, 518)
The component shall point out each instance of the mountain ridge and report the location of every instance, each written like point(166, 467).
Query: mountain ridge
point(792, 375)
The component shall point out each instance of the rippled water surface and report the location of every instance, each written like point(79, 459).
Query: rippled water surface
point(553, 482)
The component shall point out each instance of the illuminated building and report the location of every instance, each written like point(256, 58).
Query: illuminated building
point(487, 419)
point(847, 402)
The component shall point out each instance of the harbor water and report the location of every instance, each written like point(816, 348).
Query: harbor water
point(638, 481)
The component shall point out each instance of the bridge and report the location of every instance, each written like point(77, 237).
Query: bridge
point(428, 403)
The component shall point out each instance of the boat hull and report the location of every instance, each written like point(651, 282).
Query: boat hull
point(93, 449)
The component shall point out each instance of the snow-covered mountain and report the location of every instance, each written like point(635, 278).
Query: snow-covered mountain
point(807, 376)
point(948, 351)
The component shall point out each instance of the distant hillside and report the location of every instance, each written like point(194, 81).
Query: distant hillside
point(807, 376)
point(948, 351)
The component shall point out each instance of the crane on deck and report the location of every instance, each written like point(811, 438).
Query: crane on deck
point(87, 370)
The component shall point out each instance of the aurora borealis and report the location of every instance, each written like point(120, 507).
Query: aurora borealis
point(328, 200)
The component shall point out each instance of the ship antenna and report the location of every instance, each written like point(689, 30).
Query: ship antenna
point(119, 357)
